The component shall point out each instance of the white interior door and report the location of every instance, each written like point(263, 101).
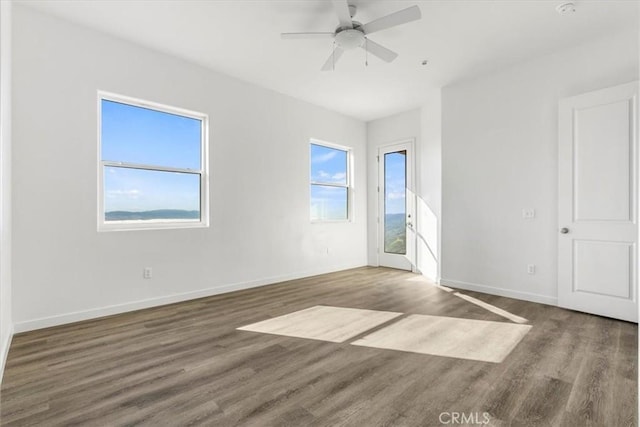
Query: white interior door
point(396, 201)
point(598, 203)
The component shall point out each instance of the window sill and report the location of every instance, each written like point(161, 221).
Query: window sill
point(134, 225)
point(330, 221)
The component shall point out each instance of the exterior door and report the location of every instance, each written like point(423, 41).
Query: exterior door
point(598, 203)
point(396, 218)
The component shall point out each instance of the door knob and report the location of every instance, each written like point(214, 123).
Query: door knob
point(564, 230)
point(409, 224)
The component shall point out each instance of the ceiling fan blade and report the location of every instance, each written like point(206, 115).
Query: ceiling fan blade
point(342, 10)
point(333, 58)
point(305, 35)
point(397, 18)
point(380, 51)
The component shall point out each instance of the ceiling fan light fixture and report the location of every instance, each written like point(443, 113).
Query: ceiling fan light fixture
point(349, 39)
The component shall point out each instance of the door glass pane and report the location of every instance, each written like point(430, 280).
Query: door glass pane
point(395, 184)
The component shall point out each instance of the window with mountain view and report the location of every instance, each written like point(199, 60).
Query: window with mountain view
point(152, 165)
point(330, 182)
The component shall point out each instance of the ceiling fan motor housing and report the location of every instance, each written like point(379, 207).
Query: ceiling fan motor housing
point(350, 38)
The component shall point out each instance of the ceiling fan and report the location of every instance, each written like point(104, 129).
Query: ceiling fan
point(351, 34)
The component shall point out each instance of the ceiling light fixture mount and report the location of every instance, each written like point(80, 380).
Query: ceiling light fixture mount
point(566, 8)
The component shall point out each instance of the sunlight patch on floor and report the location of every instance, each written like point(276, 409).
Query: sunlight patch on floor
point(472, 339)
point(334, 324)
point(480, 340)
point(492, 308)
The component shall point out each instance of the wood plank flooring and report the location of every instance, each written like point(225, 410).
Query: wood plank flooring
point(186, 364)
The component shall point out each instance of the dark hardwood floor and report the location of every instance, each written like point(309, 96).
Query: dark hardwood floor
point(186, 364)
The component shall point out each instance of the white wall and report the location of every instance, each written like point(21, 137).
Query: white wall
point(499, 155)
point(423, 126)
point(6, 324)
point(260, 232)
point(429, 178)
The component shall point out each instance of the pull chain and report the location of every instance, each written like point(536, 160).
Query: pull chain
point(333, 56)
point(366, 52)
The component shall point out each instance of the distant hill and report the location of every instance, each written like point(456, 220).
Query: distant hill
point(395, 234)
point(155, 214)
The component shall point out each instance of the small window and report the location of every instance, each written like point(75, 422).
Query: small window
point(153, 165)
point(330, 182)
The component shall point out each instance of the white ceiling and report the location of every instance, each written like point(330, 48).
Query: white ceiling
point(241, 38)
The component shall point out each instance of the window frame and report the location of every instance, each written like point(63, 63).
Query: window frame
point(203, 171)
point(349, 178)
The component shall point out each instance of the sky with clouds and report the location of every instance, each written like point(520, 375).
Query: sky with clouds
point(328, 166)
point(395, 182)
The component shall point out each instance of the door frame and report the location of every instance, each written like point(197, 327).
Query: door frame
point(407, 144)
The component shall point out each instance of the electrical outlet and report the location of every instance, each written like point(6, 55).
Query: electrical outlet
point(147, 273)
point(528, 213)
point(531, 269)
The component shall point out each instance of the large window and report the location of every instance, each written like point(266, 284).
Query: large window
point(153, 165)
point(330, 182)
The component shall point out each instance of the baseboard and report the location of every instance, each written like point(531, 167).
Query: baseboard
point(5, 352)
point(62, 319)
point(510, 293)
